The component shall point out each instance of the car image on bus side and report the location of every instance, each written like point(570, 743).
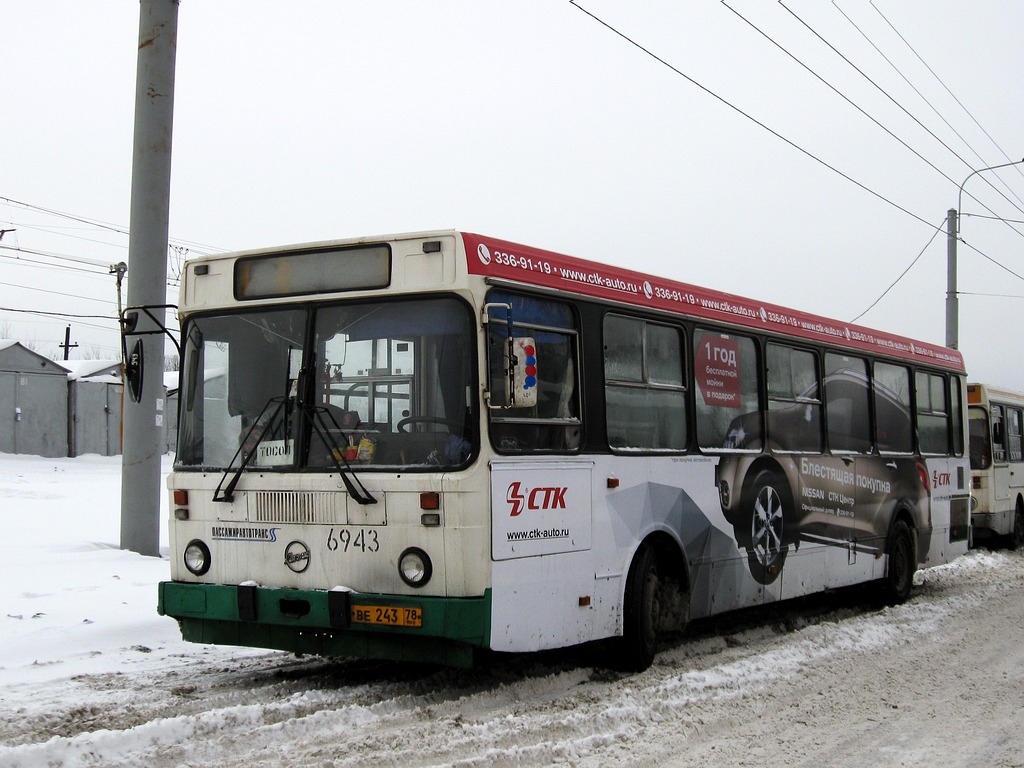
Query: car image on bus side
point(847, 485)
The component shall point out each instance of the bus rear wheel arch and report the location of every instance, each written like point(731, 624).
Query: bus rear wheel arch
point(656, 601)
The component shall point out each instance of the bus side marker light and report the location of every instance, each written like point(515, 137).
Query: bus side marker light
point(180, 497)
point(181, 514)
point(431, 519)
point(585, 601)
point(613, 482)
point(430, 500)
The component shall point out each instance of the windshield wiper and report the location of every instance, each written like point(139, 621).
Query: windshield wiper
point(261, 427)
point(228, 492)
point(356, 490)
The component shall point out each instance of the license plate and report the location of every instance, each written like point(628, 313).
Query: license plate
point(387, 615)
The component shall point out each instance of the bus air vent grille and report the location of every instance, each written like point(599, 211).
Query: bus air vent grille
point(293, 507)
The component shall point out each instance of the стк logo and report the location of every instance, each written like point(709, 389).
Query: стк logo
point(548, 497)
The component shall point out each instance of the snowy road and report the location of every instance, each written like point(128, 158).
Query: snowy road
point(832, 681)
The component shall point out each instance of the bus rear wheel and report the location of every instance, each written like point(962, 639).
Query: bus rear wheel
point(1015, 540)
point(901, 565)
point(634, 651)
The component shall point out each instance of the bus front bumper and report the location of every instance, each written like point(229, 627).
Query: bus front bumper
point(336, 623)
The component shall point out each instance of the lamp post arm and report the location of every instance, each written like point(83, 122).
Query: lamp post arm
point(960, 196)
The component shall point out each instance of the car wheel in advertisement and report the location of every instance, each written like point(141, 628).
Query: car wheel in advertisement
point(770, 504)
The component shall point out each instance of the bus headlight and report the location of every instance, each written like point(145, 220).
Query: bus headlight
point(414, 567)
point(197, 557)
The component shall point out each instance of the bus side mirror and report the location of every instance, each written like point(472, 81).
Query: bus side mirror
point(133, 372)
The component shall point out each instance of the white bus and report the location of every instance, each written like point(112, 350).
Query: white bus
point(996, 421)
point(416, 446)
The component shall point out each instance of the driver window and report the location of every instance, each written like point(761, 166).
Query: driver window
point(553, 424)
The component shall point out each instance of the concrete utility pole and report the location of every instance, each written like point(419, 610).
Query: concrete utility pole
point(952, 300)
point(147, 252)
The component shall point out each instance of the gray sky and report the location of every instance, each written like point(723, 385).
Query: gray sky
point(531, 121)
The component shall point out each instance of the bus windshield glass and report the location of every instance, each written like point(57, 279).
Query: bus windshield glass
point(366, 385)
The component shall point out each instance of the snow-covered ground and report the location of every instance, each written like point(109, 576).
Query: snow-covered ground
point(90, 675)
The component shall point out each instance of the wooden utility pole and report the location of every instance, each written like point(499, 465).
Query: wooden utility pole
point(67, 345)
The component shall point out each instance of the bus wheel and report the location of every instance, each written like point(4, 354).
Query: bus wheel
point(766, 552)
point(899, 573)
point(641, 614)
point(1016, 537)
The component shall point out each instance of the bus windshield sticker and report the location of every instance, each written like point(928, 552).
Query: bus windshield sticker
point(718, 371)
point(275, 453)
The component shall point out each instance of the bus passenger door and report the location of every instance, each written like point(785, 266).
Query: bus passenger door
point(1001, 474)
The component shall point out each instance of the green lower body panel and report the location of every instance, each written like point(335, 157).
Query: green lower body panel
point(398, 627)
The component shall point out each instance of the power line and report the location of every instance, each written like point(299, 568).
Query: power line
point(990, 218)
point(989, 258)
point(119, 229)
point(902, 274)
point(56, 293)
point(72, 217)
point(748, 116)
point(905, 111)
point(936, 228)
point(939, 79)
point(59, 314)
point(993, 295)
point(58, 256)
point(916, 90)
point(837, 91)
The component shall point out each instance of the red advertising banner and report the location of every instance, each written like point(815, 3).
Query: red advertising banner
point(492, 257)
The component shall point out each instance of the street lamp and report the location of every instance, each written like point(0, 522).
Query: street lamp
point(952, 234)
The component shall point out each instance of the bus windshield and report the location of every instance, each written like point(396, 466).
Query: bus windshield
point(369, 385)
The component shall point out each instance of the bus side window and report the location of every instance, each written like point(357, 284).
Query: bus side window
point(1013, 433)
point(726, 373)
point(847, 409)
point(794, 399)
point(553, 424)
point(645, 395)
point(933, 425)
point(893, 425)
